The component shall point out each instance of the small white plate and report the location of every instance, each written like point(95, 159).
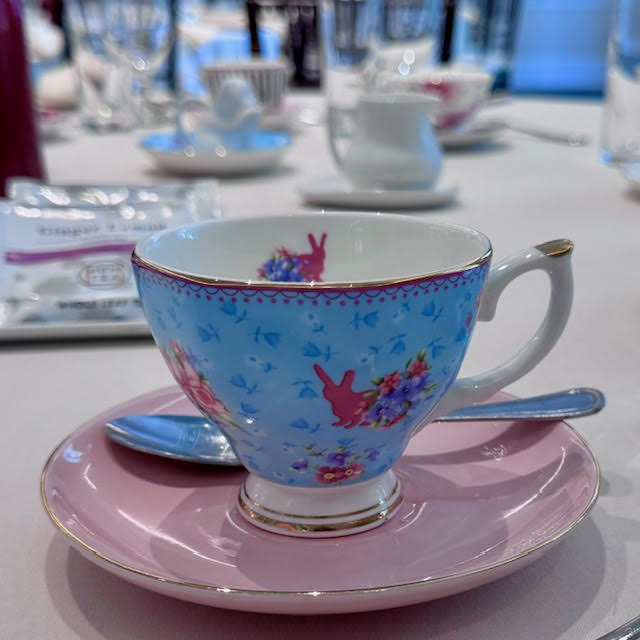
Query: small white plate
point(335, 191)
point(477, 132)
point(174, 155)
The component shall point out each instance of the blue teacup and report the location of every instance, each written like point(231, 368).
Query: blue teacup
point(320, 343)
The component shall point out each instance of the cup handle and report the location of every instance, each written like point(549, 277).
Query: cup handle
point(336, 125)
point(554, 257)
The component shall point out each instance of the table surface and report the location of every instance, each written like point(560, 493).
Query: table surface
point(520, 192)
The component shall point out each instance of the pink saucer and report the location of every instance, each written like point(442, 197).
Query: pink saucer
point(482, 500)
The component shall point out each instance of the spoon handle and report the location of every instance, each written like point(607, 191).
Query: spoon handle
point(628, 631)
point(573, 139)
point(560, 405)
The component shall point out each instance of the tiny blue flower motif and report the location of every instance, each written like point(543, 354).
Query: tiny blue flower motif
point(300, 465)
point(364, 359)
point(379, 411)
point(372, 454)
point(369, 319)
point(238, 380)
point(435, 347)
point(208, 332)
point(300, 423)
point(410, 388)
point(338, 457)
point(159, 320)
point(248, 409)
point(272, 338)
point(283, 266)
point(229, 307)
point(254, 361)
point(311, 350)
point(310, 318)
point(307, 393)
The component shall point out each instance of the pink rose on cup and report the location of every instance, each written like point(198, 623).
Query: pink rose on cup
point(204, 397)
point(195, 386)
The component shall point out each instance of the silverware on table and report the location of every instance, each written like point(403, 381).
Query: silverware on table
point(194, 439)
point(628, 631)
point(571, 138)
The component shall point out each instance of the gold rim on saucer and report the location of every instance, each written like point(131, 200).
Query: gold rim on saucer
point(259, 592)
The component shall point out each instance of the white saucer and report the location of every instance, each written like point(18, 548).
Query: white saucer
point(335, 191)
point(476, 132)
point(176, 156)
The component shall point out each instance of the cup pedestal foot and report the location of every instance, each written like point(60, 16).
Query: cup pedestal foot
point(320, 512)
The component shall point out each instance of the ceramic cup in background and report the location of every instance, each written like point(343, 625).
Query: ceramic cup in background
point(320, 343)
point(393, 145)
point(268, 78)
point(461, 89)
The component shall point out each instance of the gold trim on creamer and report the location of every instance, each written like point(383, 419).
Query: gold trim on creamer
point(245, 498)
point(305, 286)
point(556, 248)
point(315, 594)
point(306, 527)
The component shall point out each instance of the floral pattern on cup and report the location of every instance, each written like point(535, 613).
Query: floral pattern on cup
point(182, 364)
point(287, 266)
point(387, 403)
point(255, 350)
point(334, 467)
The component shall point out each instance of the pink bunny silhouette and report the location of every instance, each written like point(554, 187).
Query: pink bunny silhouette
point(348, 406)
point(313, 263)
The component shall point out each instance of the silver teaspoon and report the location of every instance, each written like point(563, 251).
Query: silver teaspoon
point(628, 631)
point(194, 439)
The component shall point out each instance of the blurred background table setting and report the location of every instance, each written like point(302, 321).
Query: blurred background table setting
point(250, 153)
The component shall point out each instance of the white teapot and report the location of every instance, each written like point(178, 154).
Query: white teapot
point(393, 145)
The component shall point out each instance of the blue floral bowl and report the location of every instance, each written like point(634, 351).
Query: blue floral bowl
point(319, 343)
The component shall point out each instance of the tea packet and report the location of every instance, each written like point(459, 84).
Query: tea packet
point(67, 248)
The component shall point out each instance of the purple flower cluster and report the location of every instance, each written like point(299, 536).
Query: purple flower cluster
point(397, 392)
point(283, 266)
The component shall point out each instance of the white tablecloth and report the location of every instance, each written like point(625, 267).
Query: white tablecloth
point(519, 192)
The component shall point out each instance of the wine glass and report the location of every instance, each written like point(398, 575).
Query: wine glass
point(105, 82)
point(140, 33)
